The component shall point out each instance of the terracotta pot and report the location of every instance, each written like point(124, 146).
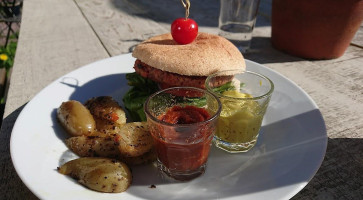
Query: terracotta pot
point(315, 29)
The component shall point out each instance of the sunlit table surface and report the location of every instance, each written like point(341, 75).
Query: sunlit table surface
point(57, 37)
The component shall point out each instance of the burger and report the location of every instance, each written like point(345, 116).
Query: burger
point(162, 63)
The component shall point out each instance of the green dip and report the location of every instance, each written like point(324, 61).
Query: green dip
point(240, 120)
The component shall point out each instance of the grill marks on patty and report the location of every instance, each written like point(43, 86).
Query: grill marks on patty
point(169, 79)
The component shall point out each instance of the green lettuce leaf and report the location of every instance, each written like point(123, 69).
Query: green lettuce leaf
point(135, 98)
point(225, 87)
point(199, 102)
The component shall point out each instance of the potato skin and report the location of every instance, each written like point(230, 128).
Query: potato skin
point(94, 146)
point(106, 146)
point(106, 108)
point(135, 139)
point(108, 114)
point(76, 118)
point(132, 140)
point(106, 127)
point(99, 174)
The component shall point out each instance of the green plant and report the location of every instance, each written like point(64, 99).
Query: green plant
point(7, 55)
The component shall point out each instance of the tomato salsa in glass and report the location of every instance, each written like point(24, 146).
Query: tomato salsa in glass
point(182, 131)
point(184, 148)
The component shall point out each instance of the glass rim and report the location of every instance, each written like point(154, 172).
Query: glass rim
point(240, 71)
point(213, 117)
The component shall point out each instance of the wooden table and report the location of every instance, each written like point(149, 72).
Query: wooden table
point(57, 37)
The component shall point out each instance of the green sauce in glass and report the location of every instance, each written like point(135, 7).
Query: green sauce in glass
point(240, 120)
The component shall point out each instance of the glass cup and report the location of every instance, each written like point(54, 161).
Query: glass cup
point(182, 121)
point(237, 20)
point(245, 97)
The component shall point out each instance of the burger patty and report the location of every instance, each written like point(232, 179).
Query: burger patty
point(169, 79)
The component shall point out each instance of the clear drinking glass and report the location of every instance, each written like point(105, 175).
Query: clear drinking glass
point(182, 121)
point(237, 20)
point(245, 98)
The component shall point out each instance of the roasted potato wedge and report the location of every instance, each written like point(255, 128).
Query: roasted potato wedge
point(99, 174)
point(106, 108)
point(98, 146)
point(94, 146)
point(76, 118)
point(106, 127)
point(134, 139)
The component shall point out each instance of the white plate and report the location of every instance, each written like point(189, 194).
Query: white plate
point(289, 151)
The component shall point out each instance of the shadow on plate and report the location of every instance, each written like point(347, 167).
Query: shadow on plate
point(114, 85)
point(288, 153)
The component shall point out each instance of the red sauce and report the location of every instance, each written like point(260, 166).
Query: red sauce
point(183, 148)
point(184, 115)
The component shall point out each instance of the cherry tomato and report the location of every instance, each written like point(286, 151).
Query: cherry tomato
point(184, 31)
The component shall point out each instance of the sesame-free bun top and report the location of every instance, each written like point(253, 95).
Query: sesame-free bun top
point(206, 55)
